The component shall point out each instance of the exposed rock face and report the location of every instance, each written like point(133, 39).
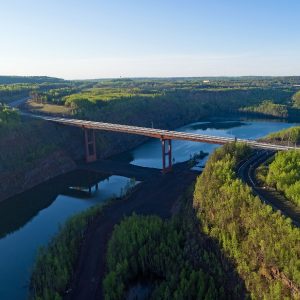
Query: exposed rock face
point(18, 181)
point(37, 151)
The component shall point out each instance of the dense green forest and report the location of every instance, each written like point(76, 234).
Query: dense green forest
point(284, 174)
point(88, 99)
point(174, 258)
point(18, 87)
point(264, 245)
point(85, 96)
point(92, 98)
point(290, 136)
point(296, 99)
point(165, 103)
point(228, 240)
point(267, 107)
point(28, 79)
point(8, 116)
point(168, 257)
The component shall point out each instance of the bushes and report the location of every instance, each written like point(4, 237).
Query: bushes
point(263, 244)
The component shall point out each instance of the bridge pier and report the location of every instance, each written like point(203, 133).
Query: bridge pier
point(166, 155)
point(90, 145)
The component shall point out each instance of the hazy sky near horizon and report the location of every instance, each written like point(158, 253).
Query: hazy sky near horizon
point(142, 38)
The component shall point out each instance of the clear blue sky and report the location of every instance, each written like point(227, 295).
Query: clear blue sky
point(143, 38)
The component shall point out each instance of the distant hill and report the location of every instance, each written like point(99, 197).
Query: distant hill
point(28, 79)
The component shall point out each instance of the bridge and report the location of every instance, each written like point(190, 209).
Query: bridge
point(166, 137)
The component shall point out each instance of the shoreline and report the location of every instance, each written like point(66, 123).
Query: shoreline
point(157, 195)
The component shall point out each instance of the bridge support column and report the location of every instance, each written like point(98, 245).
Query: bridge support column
point(166, 155)
point(90, 145)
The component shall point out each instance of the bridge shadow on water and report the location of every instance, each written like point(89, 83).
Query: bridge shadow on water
point(15, 212)
point(121, 168)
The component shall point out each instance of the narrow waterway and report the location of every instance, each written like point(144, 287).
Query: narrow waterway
point(29, 220)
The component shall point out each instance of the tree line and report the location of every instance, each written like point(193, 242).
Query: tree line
point(167, 256)
point(54, 265)
point(8, 116)
point(269, 108)
point(289, 136)
point(284, 174)
point(264, 245)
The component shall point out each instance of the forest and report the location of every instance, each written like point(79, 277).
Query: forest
point(8, 116)
point(233, 227)
point(296, 99)
point(283, 174)
point(289, 136)
point(264, 245)
point(165, 103)
point(224, 243)
point(55, 263)
point(267, 107)
point(94, 99)
point(88, 99)
point(246, 230)
point(147, 250)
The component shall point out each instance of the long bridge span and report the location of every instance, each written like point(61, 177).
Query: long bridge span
point(166, 137)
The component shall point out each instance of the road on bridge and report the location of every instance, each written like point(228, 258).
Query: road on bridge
point(160, 133)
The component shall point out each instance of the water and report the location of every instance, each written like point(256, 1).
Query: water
point(149, 154)
point(31, 219)
point(18, 248)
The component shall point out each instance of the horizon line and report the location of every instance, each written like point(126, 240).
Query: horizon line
point(155, 77)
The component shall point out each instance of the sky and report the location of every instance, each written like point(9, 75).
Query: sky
point(81, 39)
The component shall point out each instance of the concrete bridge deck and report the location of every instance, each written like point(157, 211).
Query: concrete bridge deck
point(161, 134)
point(166, 137)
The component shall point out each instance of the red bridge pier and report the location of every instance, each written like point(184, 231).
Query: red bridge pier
point(90, 145)
point(166, 155)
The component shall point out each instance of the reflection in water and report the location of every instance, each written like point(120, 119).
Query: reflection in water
point(18, 210)
point(216, 125)
point(32, 218)
point(149, 154)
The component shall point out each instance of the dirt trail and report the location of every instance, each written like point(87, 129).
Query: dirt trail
point(157, 195)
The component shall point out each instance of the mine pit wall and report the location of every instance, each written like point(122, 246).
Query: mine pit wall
point(36, 150)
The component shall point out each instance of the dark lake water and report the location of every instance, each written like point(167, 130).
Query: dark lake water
point(29, 220)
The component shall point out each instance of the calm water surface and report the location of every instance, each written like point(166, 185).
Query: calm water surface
point(31, 219)
point(149, 154)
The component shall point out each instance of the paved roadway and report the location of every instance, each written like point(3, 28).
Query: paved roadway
point(159, 133)
point(246, 171)
point(149, 132)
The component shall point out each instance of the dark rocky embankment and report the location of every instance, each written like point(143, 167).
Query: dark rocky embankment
point(35, 151)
